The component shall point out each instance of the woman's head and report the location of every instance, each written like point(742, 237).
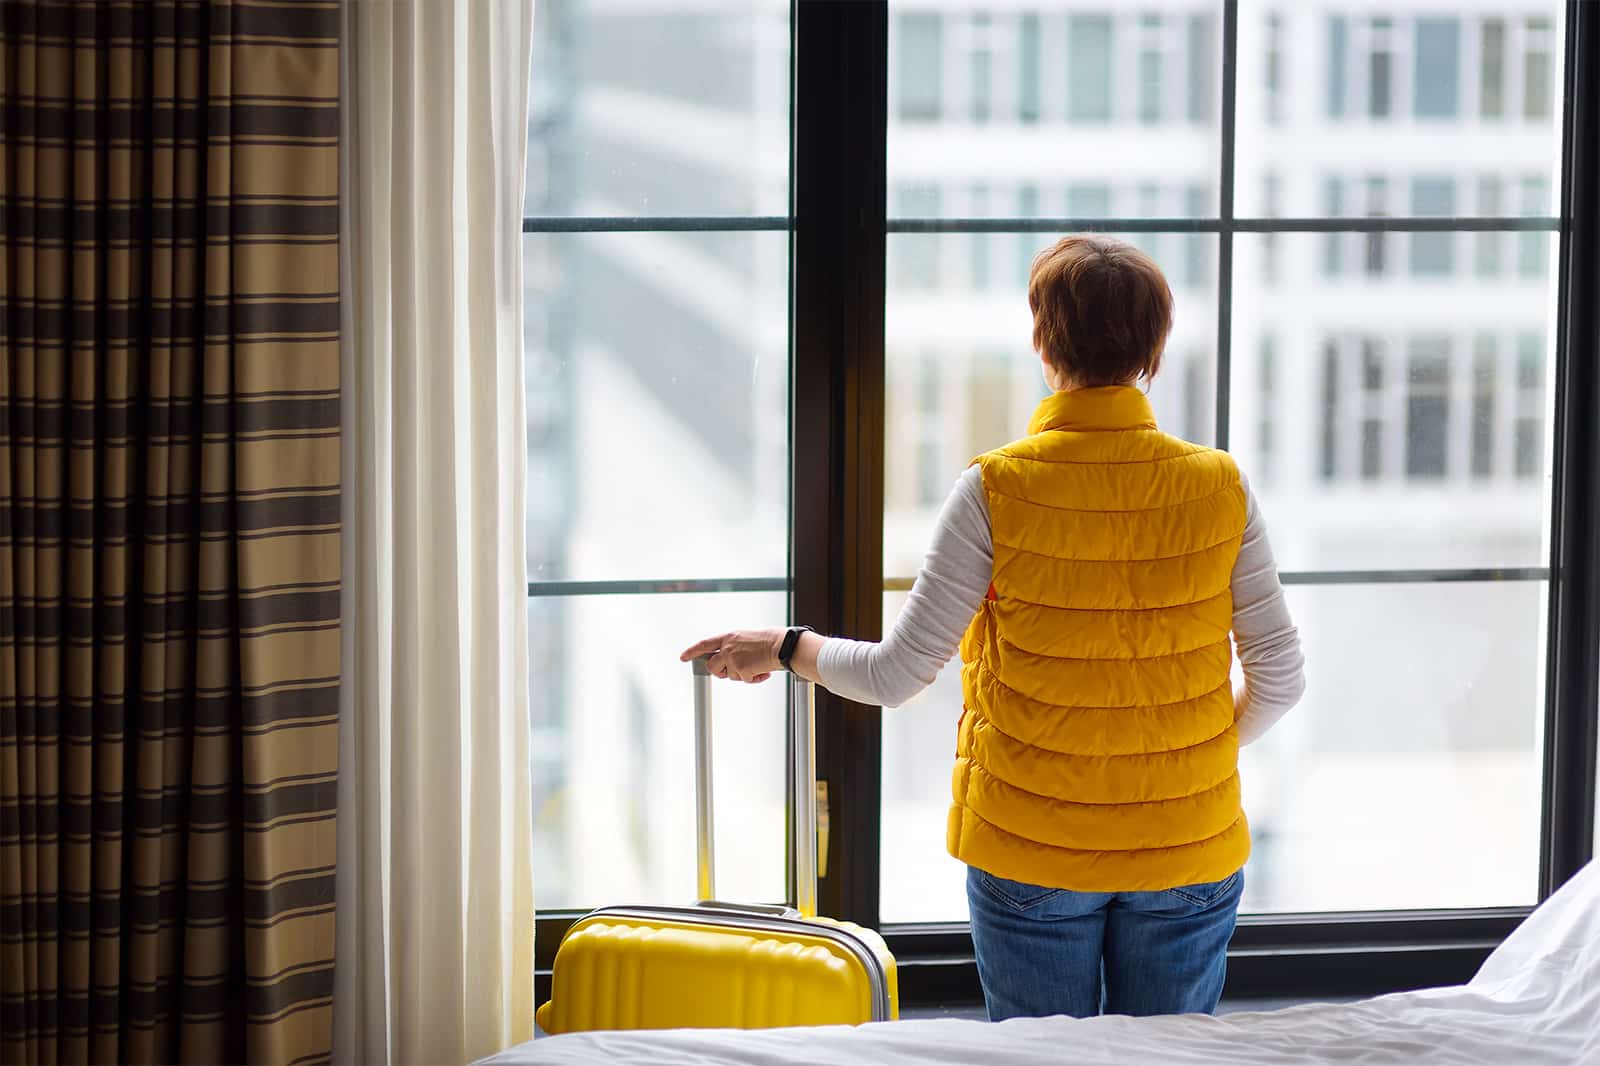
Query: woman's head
point(1101, 312)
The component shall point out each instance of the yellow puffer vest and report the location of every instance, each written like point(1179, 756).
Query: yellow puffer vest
point(1097, 749)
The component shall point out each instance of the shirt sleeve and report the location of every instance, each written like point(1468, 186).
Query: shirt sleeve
point(948, 590)
point(1268, 642)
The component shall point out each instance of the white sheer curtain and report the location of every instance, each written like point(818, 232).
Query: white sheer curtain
point(435, 920)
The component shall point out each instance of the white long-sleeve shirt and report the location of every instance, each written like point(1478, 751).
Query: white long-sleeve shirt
point(955, 578)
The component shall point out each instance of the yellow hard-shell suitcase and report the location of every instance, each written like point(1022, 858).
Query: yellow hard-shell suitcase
point(722, 965)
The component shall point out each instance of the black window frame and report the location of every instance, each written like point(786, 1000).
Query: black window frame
point(838, 225)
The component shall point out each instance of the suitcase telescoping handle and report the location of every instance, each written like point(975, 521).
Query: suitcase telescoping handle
point(800, 796)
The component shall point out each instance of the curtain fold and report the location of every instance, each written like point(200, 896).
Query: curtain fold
point(435, 877)
point(169, 531)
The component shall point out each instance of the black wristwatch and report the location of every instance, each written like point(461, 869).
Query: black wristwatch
point(791, 640)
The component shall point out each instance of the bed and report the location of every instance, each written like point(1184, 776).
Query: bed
point(1535, 1001)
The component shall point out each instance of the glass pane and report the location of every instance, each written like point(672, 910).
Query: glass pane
point(659, 109)
point(613, 751)
point(1032, 102)
point(962, 378)
point(1438, 67)
point(657, 386)
point(1408, 421)
point(1409, 776)
point(1343, 95)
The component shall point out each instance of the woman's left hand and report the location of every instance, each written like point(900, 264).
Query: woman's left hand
point(743, 655)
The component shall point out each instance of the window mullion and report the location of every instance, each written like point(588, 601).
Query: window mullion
point(841, 114)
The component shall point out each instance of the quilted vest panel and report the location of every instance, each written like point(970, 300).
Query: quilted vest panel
point(1097, 749)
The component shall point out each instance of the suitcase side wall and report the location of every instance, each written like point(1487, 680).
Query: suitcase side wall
point(636, 970)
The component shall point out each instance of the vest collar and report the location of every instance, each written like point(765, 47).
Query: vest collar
point(1112, 407)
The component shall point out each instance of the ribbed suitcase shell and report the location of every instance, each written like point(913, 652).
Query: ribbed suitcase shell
point(716, 967)
point(720, 965)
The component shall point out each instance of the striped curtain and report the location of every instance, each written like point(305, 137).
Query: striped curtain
point(169, 530)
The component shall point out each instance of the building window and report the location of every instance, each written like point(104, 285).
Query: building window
point(931, 472)
point(1089, 68)
point(1151, 60)
point(1437, 67)
point(1338, 57)
point(1266, 385)
point(1088, 201)
point(917, 262)
point(1491, 204)
point(1428, 407)
point(1372, 408)
point(1202, 80)
point(1380, 70)
point(1272, 89)
point(921, 64)
point(1433, 254)
point(1028, 68)
point(1492, 69)
point(1376, 243)
point(1330, 410)
point(1198, 399)
point(1198, 252)
point(1533, 247)
point(1529, 446)
point(1027, 243)
point(981, 68)
point(1536, 70)
point(1332, 243)
point(1483, 382)
point(980, 242)
point(1271, 194)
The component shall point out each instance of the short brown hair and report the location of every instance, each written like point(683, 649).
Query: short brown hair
point(1102, 310)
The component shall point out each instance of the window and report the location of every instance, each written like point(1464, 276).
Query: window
point(1089, 68)
point(632, 116)
point(1333, 207)
point(1530, 406)
point(1492, 72)
point(1028, 69)
point(1266, 382)
point(1438, 62)
point(1271, 194)
point(1272, 89)
point(1338, 63)
point(1150, 64)
point(1202, 71)
point(1372, 409)
point(1416, 62)
point(1483, 405)
point(1357, 396)
point(1380, 69)
point(1533, 252)
point(921, 67)
point(1432, 254)
point(930, 442)
point(1395, 415)
point(1536, 70)
point(1331, 377)
point(982, 75)
point(1428, 408)
point(1377, 242)
point(1491, 202)
point(916, 264)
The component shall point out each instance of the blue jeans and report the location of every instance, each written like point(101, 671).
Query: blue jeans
point(1045, 951)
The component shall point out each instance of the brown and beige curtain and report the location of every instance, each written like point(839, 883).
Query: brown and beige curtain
point(169, 530)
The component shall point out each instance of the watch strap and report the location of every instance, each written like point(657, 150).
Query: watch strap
point(791, 640)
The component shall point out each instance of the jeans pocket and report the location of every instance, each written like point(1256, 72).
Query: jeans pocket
point(1018, 895)
point(1203, 895)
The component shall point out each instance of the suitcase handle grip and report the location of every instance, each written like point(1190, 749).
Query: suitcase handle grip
point(800, 797)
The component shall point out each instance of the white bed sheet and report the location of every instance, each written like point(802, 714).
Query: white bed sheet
point(1536, 1001)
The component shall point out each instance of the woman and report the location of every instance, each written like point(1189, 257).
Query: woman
point(1090, 574)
